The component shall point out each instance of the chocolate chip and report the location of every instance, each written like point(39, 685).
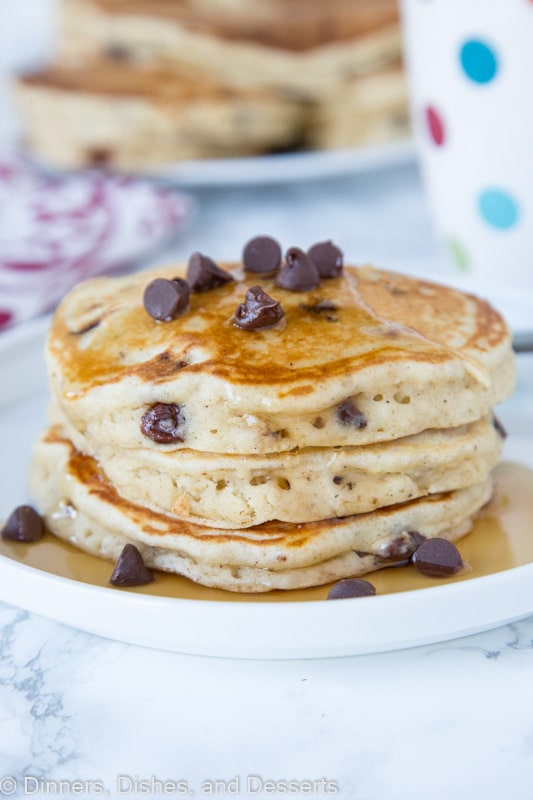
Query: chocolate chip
point(203, 274)
point(402, 546)
point(438, 558)
point(261, 254)
point(165, 300)
point(163, 423)
point(130, 569)
point(338, 479)
point(23, 525)
point(327, 258)
point(318, 422)
point(351, 587)
point(322, 307)
point(499, 427)
point(117, 52)
point(348, 414)
point(99, 157)
point(299, 274)
point(259, 310)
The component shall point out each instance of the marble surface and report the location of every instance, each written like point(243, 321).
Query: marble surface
point(84, 716)
point(444, 721)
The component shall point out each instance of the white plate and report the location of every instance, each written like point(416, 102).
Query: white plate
point(286, 167)
point(254, 629)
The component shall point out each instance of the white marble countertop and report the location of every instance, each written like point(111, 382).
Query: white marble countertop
point(81, 716)
point(440, 721)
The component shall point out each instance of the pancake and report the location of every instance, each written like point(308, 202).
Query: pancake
point(369, 108)
point(141, 84)
point(236, 491)
point(81, 505)
point(302, 48)
point(113, 115)
point(370, 356)
point(256, 430)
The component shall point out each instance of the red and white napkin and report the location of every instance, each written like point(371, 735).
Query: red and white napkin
point(57, 231)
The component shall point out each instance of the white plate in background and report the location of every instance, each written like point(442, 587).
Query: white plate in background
point(287, 167)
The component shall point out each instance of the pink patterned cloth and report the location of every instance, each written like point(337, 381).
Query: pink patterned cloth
point(57, 231)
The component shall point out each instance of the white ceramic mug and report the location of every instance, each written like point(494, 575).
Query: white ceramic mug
point(470, 68)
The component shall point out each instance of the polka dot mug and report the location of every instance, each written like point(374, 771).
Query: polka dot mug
point(470, 69)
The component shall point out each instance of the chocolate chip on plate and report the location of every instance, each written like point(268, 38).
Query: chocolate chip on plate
point(203, 274)
point(299, 274)
point(438, 558)
point(165, 300)
point(259, 310)
point(163, 423)
point(261, 254)
point(349, 414)
point(351, 587)
point(130, 569)
point(327, 258)
point(23, 525)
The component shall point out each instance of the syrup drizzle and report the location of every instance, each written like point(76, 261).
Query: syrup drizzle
point(127, 342)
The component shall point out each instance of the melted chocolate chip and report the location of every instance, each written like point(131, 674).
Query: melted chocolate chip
point(163, 423)
point(117, 52)
point(259, 310)
point(99, 157)
point(438, 558)
point(167, 365)
point(299, 274)
point(23, 525)
point(402, 546)
point(348, 414)
point(165, 300)
point(203, 274)
point(499, 427)
point(324, 309)
point(327, 258)
point(351, 587)
point(262, 254)
point(130, 569)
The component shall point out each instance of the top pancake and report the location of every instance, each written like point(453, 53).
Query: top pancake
point(297, 25)
point(408, 354)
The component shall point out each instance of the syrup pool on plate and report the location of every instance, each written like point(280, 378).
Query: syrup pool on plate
point(501, 539)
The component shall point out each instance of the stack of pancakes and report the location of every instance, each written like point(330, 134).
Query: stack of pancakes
point(327, 444)
point(138, 83)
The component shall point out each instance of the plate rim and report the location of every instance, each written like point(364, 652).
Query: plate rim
point(137, 616)
point(297, 166)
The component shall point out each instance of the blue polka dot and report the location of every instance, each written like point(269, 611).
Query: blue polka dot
point(478, 61)
point(499, 209)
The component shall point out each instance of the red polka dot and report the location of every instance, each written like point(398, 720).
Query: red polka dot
point(435, 126)
point(5, 318)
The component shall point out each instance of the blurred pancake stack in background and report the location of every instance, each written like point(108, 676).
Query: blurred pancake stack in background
point(140, 83)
